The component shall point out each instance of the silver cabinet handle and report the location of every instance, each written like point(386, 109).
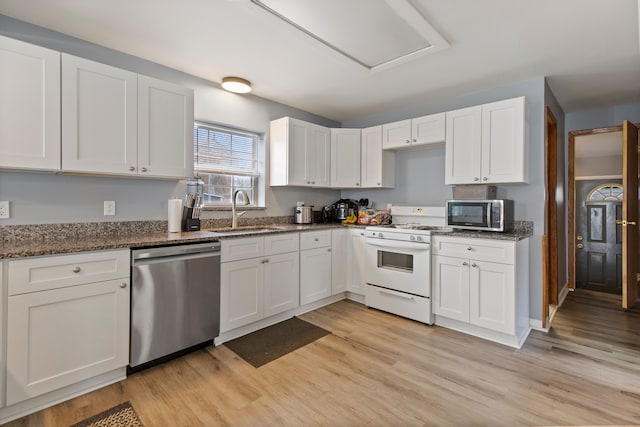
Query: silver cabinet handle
point(123, 285)
point(485, 178)
point(316, 239)
point(132, 168)
point(408, 141)
point(329, 250)
point(357, 184)
point(474, 265)
point(143, 169)
point(264, 261)
point(465, 263)
point(415, 140)
point(76, 269)
point(475, 178)
point(379, 183)
point(469, 248)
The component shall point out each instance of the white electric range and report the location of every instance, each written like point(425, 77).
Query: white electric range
point(398, 258)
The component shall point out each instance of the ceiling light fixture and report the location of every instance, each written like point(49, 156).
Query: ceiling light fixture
point(236, 84)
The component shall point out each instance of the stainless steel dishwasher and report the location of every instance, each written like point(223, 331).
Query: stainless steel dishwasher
point(175, 301)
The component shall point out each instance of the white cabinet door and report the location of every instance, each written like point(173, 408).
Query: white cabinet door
point(396, 134)
point(29, 106)
point(340, 260)
point(319, 157)
point(59, 337)
point(450, 287)
point(358, 263)
point(504, 142)
point(281, 283)
point(492, 296)
point(99, 118)
point(315, 274)
point(377, 165)
point(428, 130)
point(165, 129)
point(463, 146)
point(345, 158)
point(241, 293)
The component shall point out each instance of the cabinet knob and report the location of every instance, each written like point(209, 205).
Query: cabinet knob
point(143, 169)
point(329, 250)
point(357, 184)
point(469, 248)
point(123, 285)
point(484, 178)
point(316, 239)
point(475, 178)
point(474, 265)
point(465, 263)
point(266, 260)
point(313, 182)
point(76, 269)
point(415, 140)
point(378, 183)
point(132, 168)
point(408, 141)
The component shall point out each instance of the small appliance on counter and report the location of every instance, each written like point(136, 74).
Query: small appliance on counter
point(481, 215)
point(193, 204)
point(339, 211)
point(303, 214)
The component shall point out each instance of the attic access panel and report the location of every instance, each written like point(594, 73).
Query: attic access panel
point(376, 34)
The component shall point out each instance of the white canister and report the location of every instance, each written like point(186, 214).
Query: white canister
point(175, 215)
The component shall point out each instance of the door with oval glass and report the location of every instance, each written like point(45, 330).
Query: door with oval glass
point(599, 237)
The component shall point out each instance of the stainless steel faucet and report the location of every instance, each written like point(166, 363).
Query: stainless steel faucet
point(245, 198)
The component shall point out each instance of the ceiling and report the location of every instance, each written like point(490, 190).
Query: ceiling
point(588, 49)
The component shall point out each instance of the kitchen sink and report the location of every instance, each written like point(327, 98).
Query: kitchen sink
point(247, 230)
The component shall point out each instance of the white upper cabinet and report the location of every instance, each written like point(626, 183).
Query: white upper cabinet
point(99, 117)
point(29, 106)
point(413, 133)
point(487, 144)
point(117, 122)
point(300, 153)
point(345, 158)
point(165, 129)
point(377, 165)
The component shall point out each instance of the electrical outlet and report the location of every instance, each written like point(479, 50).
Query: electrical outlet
point(109, 208)
point(4, 210)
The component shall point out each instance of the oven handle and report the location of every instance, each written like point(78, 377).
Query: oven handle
point(396, 244)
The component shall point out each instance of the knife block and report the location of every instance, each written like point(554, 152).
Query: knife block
point(188, 223)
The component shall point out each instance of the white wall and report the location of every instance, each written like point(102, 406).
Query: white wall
point(48, 198)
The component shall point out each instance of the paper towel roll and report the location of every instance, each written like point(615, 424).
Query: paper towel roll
point(175, 215)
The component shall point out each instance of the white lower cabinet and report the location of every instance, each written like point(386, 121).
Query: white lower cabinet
point(480, 286)
point(65, 331)
point(262, 285)
point(340, 260)
point(358, 264)
point(315, 266)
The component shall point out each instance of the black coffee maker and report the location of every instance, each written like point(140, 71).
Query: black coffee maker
point(339, 211)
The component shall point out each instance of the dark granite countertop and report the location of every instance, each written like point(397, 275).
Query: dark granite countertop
point(61, 245)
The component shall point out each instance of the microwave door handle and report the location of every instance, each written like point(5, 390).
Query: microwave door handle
point(489, 209)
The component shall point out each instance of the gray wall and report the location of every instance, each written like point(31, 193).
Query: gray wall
point(420, 174)
point(48, 198)
point(602, 117)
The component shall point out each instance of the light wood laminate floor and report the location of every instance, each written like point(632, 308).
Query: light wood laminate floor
point(376, 369)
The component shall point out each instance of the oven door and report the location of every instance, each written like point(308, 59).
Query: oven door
point(398, 265)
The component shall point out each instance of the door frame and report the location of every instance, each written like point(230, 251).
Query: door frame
point(550, 237)
point(571, 209)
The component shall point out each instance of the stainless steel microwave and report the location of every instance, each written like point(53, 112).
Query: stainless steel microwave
point(485, 215)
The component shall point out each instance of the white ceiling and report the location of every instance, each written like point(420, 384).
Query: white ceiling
point(588, 49)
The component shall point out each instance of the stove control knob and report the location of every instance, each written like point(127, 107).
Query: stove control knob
point(418, 238)
point(412, 238)
point(380, 235)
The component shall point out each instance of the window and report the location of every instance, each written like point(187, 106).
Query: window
point(227, 160)
point(610, 192)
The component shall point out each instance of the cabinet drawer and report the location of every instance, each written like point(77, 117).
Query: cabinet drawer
point(479, 249)
point(411, 306)
point(37, 274)
point(237, 249)
point(315, 239)
point(281, 243)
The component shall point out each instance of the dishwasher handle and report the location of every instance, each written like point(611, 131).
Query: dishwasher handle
point(176, 250)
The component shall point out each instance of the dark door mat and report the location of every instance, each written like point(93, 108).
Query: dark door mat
point(268, 344)
point(122, 415)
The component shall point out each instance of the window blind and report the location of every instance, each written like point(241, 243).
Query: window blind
point(224, 150)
